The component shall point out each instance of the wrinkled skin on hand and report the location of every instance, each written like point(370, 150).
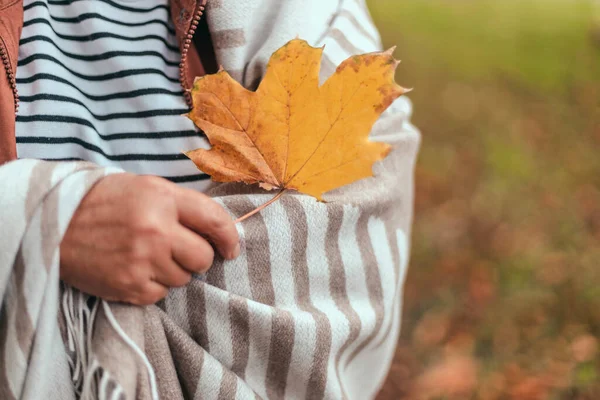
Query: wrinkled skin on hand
point(134, 237)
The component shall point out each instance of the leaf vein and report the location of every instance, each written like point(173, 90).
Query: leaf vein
point(242, 129)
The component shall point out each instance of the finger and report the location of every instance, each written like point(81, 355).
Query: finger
point(169, 274)
point(190, 250)
point(206, 217)
point(152, 292)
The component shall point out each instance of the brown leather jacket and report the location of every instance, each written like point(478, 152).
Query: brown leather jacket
point(185, 14)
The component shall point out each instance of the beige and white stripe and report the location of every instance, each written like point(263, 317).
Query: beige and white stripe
point(41, 197)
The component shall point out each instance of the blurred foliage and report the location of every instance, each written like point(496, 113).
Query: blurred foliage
point(502, 299)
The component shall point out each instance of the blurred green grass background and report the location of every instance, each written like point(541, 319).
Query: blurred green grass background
point(502, 299)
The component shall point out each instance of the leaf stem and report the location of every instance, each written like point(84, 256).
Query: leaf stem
point(256, 210)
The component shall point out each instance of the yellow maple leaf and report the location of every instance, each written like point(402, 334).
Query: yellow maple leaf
point(292, 133)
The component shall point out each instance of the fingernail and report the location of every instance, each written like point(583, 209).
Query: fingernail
point(236, 252)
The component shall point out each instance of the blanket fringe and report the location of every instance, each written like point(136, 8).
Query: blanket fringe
point(115, 325)
point(90, 380)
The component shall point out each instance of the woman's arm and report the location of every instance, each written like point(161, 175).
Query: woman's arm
point(103, 218)
point(37, 199)
point(311, 309)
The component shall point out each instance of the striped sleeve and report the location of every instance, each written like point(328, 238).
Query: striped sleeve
point(37, 200)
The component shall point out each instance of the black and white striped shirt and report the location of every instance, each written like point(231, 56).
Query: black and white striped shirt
point(99, 81)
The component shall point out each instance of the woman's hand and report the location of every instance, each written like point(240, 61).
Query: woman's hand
point(133, 237)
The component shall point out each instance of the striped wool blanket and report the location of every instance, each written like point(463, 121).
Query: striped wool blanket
point(311, 308)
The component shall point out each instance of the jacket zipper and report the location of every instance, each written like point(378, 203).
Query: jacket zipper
point(12, 81)
point(183, 72)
